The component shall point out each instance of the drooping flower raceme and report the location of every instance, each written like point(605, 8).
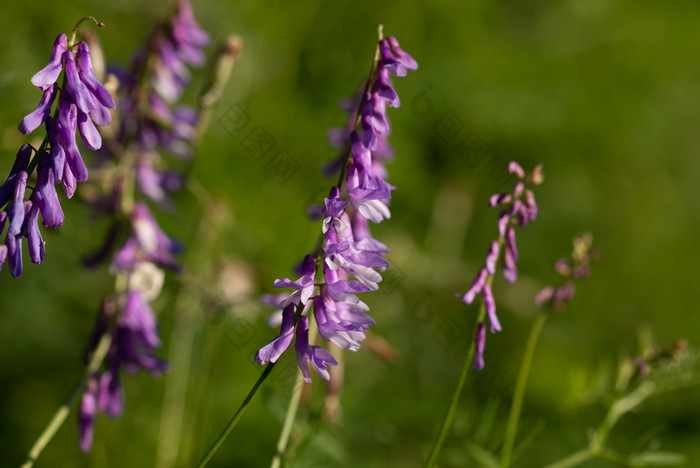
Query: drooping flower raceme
point(82, 103)
point(148, 126)
point(350, 260)
point(518, 209)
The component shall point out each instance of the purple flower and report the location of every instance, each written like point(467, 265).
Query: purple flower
point(49, 74)
point(276, 347)
point(318, 357)
point(86, 415)
point(518, 208)
point(7, 189)
point(303, 287)
point(88, 78)
point(33, 120)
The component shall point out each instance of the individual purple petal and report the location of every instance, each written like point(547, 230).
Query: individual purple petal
point(385, 90)
point(139, 319)
point(500, 199)
point(510, 272)
point(401, 55)
point(58, 156)
point(510, 242)
point(318, 357)
point(86, 415)
point(544, 295)
point(87, 76)
point(530, 205)
point(272, 351)
point(515, 168)
point(69, 183)
point(31, 231)
point(67, 124)
point(7, 189)
point(388, 61)
point(490, 306)
point(75, 87)
point(49, 74)
point(110, 398)
point(479, 344)
point(477, 286)
point(15, 211)
point(100, 115)
point(503, 220)
point(32, 121)
point(492, 257)
point(14, 251)
point(91, 137)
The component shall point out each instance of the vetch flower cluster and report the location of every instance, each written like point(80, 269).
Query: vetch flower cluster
point(350, 259)
point(576, 267)
point(82, 103)
point(147, 124)
point(518, 208)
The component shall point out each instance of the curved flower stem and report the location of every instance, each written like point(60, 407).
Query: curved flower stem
point(520, 386)
point(62, 413)
point(234, 420)
point(449, 415)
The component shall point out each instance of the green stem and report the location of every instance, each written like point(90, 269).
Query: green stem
point(239, 413)
point(289, 418)
point(574, 459)
point(516, 406)
point(62, 413)
point(449, 415)
point(288, 423)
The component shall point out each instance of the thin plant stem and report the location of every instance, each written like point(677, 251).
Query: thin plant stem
point(451, 410)
point(237, 416)
point(62, 413)
point(574, 459)
point(289, 418)
point(520, 386)
point(288, 423)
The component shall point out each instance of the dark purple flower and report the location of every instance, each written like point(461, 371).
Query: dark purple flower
point(75, 87)
point(67, 123)
point(276, 347)
point(33, 120)
point(7, 189)
point(49, 74)
point(318, 357)
point(58, 156)
point(88, 78)
point(31, 231)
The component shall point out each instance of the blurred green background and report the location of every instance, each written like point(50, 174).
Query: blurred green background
point(603, 93)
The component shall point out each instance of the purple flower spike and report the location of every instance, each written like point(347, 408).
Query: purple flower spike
point(401, 55)
point(87, 76)
point(490, 305)
point(276, 347)
point(58, 156)
point(32, 121)
point(75, 87)
point(86, 415)
point(479, 345)
point(7, 189)
point(318, 357)
point(49, 74)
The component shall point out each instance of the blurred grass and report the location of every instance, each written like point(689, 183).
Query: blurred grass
point(603, 93)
